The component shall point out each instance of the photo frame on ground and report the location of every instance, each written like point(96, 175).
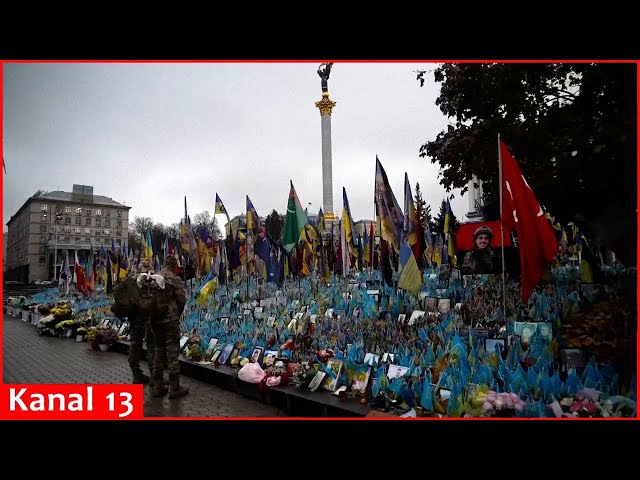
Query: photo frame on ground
point(269, 358)
point(317, 380)
point(371, 359)
point(415, 315)
point(335, 365)
point(525, 330)
point(226, 353)
point(402, 318)
point(183, 342)
point(395, 371)
point(430, 304)
point(211, 347)
point(256, 355)
point(361, 380)
point(490, 345)
point(257, 313)
point(216, 353)
point(545, 330)
point(224, 320)
point(573, 358)
point(281, 362)
point(444, 305)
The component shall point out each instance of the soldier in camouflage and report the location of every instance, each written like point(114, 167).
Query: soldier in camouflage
point(167, 332)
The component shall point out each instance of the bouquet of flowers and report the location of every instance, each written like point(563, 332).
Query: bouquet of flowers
point(500, 404)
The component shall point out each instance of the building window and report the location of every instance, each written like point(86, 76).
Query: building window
point(106, 231)
point(108, 213)
point(78, 230)
point(43, 228)
point(77, 239)
point(88, 212)
point(119, 223)
point(118, 242)
point(67, 238)
point(118, 233)
point(44, 207)
point(87, 231)
point(78, 221)
point(67, 229)
point(107, 223)
point(58, 208)
point(87, 221)
point(119, 213)
point(67, 210)
point(79, 211)
point(43, 239)
point(98, 222)
point(44, 217)
point(67, 221)
point(41, 249)
point(98, 212)
point(41, 260)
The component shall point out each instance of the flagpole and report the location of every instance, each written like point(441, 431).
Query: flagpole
point(504, 287)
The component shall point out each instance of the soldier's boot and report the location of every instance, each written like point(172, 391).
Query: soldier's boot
point(159, 390)
point(139, 377)
point(177, 390)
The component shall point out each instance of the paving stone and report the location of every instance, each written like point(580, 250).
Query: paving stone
point(31, 358)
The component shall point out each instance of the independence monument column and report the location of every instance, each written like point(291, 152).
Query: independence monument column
point(325, 106)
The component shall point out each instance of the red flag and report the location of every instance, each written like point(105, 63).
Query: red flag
point(521, 211)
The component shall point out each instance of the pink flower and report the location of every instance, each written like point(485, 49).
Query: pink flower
point(590, 407)
point(575, 406)
point(487, 407)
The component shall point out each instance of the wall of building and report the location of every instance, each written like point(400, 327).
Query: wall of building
point(31, 238)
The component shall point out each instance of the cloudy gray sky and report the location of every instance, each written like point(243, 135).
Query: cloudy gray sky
point(147, 134)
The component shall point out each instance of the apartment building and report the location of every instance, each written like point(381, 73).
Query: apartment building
point(50, 223)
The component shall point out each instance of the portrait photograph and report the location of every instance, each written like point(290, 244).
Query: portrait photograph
point(396, 371)
point(257, 312)
point(545, 330)
point(402, 318)
point(525, 330)
point(444, 305)
point(256, 355)
point(430, 304)
point(269, 357)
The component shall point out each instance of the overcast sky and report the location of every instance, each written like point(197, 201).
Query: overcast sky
point(147, 134)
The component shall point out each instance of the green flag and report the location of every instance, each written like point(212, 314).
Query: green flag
point(294, 222)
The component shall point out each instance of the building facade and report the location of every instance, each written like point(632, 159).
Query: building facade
point(51, 223)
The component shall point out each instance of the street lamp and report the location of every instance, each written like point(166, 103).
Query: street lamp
point(55, 252)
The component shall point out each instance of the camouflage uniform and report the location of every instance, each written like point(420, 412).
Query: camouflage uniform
point(167, 331)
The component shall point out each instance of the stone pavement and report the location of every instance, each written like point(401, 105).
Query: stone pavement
point(30, 358)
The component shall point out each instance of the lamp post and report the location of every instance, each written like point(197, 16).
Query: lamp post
point(55, 252)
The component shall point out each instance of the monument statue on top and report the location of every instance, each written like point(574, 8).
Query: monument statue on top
point(324, 75)
point(326, 105)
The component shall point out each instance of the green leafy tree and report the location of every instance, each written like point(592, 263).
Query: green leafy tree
point(274, 223)
point(572, 128)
